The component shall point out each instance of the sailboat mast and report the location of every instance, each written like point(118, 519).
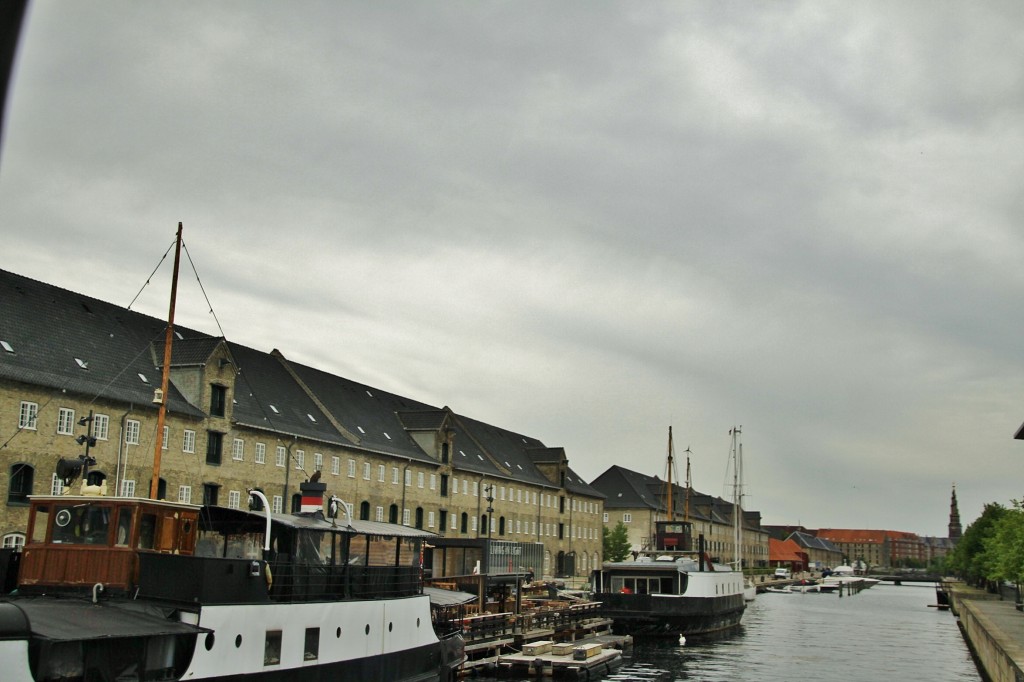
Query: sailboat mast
point(154, 485)
point(737, 495)
point(668, 496)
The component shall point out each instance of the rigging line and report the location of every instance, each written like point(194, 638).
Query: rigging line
point(148, 279)
point(203, 289)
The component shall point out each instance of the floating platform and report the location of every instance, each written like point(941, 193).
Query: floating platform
point(595, 664)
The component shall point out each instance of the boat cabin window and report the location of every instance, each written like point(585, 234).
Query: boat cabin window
point(642, 585)
point(81, 524)
point(123, 536)
point(41, 523)
point(147, 531)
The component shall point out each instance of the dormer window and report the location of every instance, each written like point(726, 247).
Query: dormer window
point(218, 400)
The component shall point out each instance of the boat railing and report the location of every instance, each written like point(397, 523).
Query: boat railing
point(212, 580)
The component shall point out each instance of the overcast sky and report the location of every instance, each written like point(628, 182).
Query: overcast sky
point(580, 221)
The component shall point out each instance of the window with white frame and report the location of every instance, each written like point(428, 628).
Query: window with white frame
point(430, 519)
point(166, 437)
point(56, 485)
point(185, 494)
point(261, 453)
point(455, 486)
point(335, 465)
point(234, 499)
point(394, 475)
point(237, 449)
point(379, 515)
point(318, 461)
point(465, 486)
point(127, 488)
point(455, 522)
point(300, 459)
point(351, 468)
point(433, 481)
point(405, 517)
point(476, 488)
point(380, 473)
point(627, 517)
point(605, 517)
point(419, 480)
point(282, 456)
point(66, 421)
point(100, 426)
point(472, 526)
point(14, 540)
point(29, 415)
point(188, 443)
point(366, 471)
point(132, 427)
point(276, 504)
point(408, 477)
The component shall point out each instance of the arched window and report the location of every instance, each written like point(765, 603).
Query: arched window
point(364, 511)
point(15, 540)
point(464, 524)
point(501, 525)
point(419, 517)
point(21, 484)
point(393, 514)
point(296, 503)
point(483, 523)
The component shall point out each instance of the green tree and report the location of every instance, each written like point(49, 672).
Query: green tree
point(1004, 549)
point(616, 542)
point(969, 558)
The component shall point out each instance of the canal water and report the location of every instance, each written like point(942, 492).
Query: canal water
point(887, 632)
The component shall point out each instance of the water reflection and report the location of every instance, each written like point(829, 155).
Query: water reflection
point(886, 632)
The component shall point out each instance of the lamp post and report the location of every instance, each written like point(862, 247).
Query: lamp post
point(489, 496)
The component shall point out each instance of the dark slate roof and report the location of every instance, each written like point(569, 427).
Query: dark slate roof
point(48, 328)
point(574, 483)
point(626, 489)
point(369, 414)
point(812, 542)
point(266, 397)
point(485, 449)
point(423, 420)
point(190, 352)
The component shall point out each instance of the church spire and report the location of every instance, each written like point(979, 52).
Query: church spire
point(955, 530)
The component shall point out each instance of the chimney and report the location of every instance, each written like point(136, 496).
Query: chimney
point(312, 497)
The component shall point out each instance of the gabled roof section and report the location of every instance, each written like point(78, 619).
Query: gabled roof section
point(188, 352)
point(811, 542)
point(370, 416)
point(626, 489)
point(62, 340)
point(485, 449)
point(545, 455)
point(574, 483)
point(266, 397)
point(423, 420)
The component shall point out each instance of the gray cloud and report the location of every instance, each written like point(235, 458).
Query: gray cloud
point(583, 222)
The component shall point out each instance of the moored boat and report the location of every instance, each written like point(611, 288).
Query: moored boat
point(133, 589)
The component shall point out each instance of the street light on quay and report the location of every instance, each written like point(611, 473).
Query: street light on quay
point(489, 496)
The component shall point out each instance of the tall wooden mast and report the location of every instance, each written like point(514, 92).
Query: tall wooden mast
point(154, 486)
point(668, 496)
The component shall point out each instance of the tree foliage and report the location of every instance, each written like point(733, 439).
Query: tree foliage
point(1004, 549)
point(972, 558)
point(616, 542)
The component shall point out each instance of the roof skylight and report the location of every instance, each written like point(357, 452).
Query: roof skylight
point(274, 409)
point(386, 435)
point(311, 417)
point(360, 429)
point(143, 377)
point(82, 363)
point(7, 347)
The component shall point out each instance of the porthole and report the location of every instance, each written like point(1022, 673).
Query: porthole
point(238, 641)
point(367, 628)
point(209, 641)
point(338, 633)
point(417, 622)
point(391, 626)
